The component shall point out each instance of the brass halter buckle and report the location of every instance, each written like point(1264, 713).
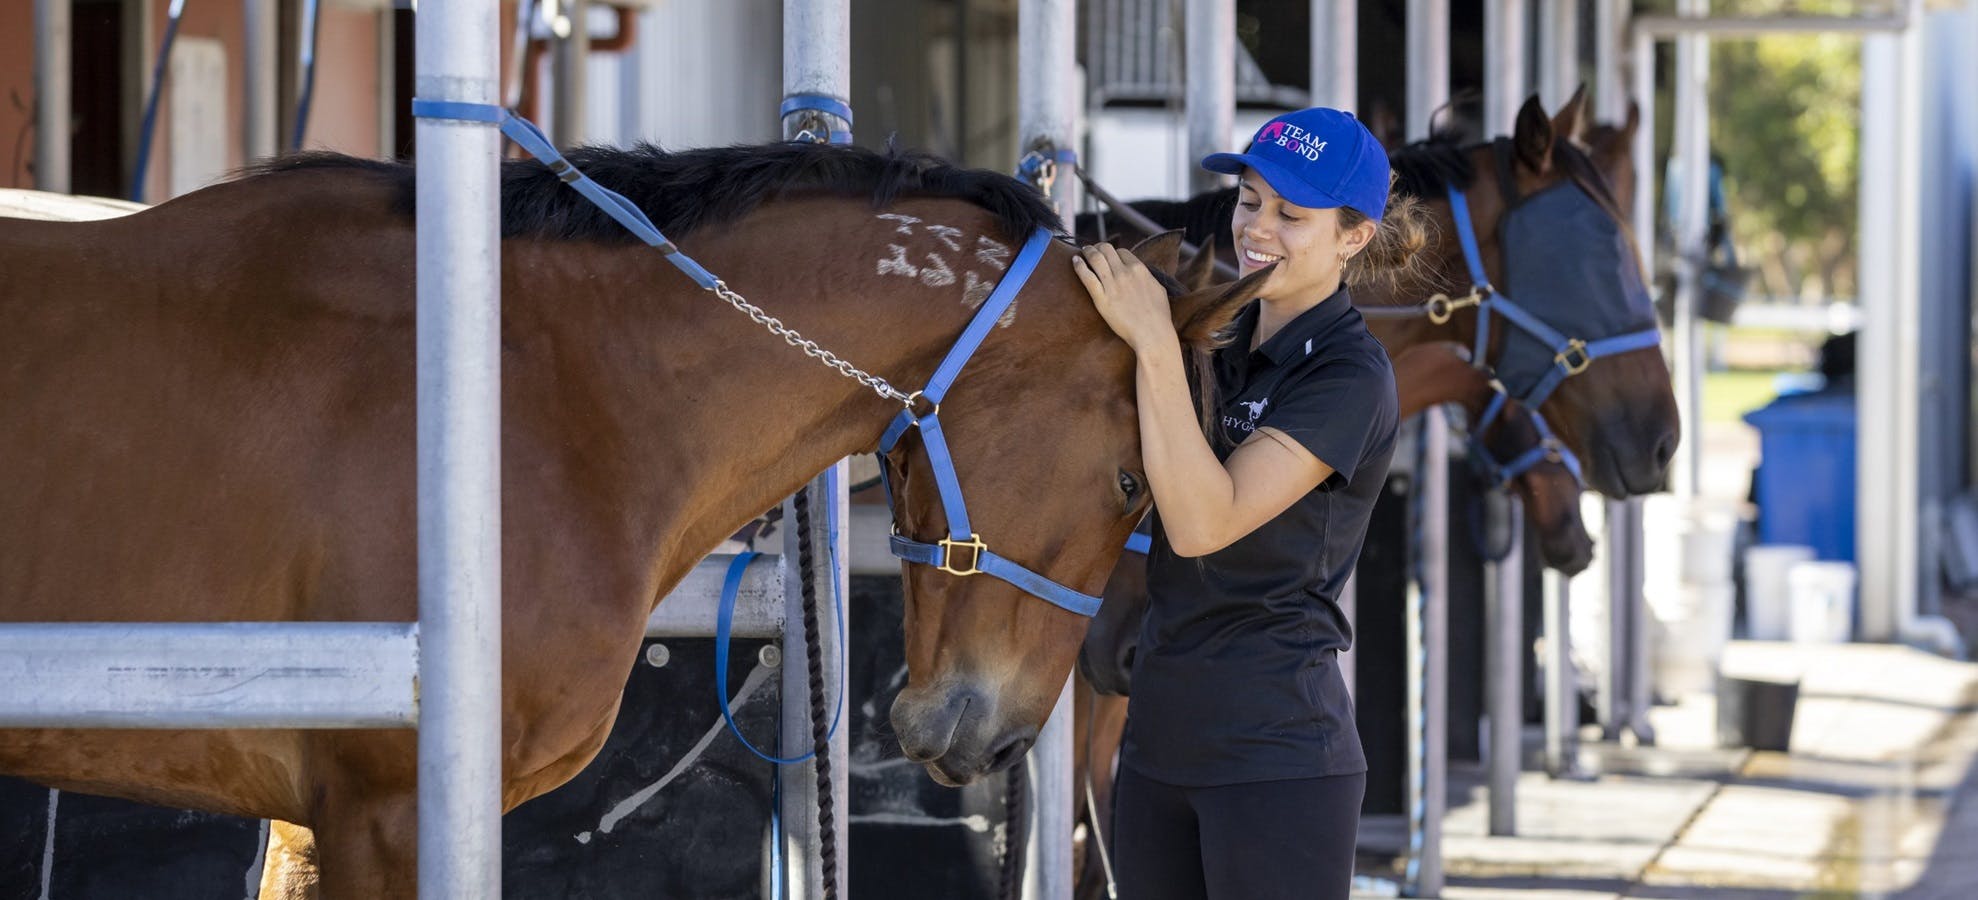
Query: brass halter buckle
point(1574, 358)
point(974, 543)
point(1442, 308)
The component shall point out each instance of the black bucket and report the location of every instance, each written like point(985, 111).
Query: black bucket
point(1755, 713)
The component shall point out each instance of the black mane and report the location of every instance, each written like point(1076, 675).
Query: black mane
point(1427, 169)
point(691, 189)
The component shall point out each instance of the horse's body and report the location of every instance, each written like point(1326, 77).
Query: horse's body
point(207, 414)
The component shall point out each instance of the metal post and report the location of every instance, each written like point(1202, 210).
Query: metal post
point(817, 53)
point(1562, 689)
point(1428, 90)
point(1504, 64)
point(1559, 51)
point(1642, 72)
point(1210, 46)
point(1336, 54)
point(258, 77)
point(1504, 583)
point(1692, 148)
point(51, 95)
point(570, 70)
point(1610, 103)
point(459, 411)
point(802, 841)
point(1049, 97)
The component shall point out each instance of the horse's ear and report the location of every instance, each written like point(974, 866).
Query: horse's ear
point(1200, 268)
point(1162, 252)
point(1533, 136)
point(1570, 122)
point(1627, 132)
point(1200, 314)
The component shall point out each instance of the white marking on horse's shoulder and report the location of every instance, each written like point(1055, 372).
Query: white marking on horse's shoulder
point(995, 253)
point(906, 222)
point(946, 235)
point(936, 273)
point(898, 264)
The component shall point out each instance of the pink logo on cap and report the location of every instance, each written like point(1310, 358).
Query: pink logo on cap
point(1270, 132)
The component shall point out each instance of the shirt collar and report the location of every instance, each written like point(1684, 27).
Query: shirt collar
point(1301, 336)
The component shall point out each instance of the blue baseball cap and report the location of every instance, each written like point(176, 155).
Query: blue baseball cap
point(1318, 158)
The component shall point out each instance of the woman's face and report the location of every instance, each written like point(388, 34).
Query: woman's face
point(1306, 243)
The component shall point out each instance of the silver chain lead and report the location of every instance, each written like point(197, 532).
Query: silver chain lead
point(810, 348)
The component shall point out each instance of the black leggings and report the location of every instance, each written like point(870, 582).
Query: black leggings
point(1267, 839)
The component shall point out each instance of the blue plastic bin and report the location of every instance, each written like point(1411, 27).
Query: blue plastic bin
point(1805, 481)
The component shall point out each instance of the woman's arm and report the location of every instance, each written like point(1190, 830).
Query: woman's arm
point(1205, 504)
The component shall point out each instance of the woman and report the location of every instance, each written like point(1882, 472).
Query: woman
point(1241, 774)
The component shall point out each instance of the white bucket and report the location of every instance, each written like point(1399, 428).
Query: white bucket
point(1767, 594)
point(1823, 601)
point(1688, 630)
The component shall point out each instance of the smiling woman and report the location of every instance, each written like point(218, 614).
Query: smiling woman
point(1241, 773)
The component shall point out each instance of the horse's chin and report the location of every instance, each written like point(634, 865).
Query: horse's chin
point(955, 737)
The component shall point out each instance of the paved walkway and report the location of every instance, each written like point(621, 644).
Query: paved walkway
point(1877, 798)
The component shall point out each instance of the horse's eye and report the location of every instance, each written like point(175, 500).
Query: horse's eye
point(1129, 484)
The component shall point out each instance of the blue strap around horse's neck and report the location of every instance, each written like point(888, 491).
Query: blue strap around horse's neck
point(823, 103)
point(960, 532)
point(526, 135)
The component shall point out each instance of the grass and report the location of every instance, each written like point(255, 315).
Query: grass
point(1727, 396)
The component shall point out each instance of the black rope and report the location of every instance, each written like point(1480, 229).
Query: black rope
point(820, 726)
point(1016, 832)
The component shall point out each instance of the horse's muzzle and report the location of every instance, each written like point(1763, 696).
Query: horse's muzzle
point(956, 735)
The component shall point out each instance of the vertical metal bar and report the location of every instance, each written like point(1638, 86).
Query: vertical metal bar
point(1209, 43)
point(259, 77)
point(1048, 103)
point(459, 440)
point(1615, 694)
point(1504, 584)
point(570, 70)
point(1637, 609)
point(1562, 689)
point(817, 51)
point(1349, 606)
point(52, 94)
point(1610, 104)
point(1504, 63)
point(802, 842)
point(1428, 90)
point(1642, 71)
point(1559, 51)
point(1336, 54)
point(1693, 150)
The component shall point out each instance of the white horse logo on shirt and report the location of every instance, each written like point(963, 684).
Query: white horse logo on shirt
point(1256, 407)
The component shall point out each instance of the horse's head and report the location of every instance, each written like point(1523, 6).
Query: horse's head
point(1044, 434)
point(1553, 242)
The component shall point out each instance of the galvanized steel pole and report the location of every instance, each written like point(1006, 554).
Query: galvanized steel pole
point(1559, 51)
point(1504, 64)
point(570, 63)
point(1504, 682)
point(1428, 90)
point(459, 440)
point(1049, 98)
point(258, 77)
point(1692, 149)
point(1336, 54)
point(51, 95)
point(817, 53)
point(1209, 40)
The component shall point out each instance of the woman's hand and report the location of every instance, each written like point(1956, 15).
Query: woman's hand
point(1126, 294)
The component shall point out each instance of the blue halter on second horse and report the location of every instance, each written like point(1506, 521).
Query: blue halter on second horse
point(1544, 262)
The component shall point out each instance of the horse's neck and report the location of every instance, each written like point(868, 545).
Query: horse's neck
point(708, 419)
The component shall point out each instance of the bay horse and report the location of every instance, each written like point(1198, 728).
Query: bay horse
point(207, 414)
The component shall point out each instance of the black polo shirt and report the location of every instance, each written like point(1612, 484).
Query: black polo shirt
point(1236, 679)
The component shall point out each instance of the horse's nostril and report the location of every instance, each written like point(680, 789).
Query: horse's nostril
point(1126, 660)
point(1665, 450)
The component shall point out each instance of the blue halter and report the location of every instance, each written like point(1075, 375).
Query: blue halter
point(960, 535)
point(1570, 356)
